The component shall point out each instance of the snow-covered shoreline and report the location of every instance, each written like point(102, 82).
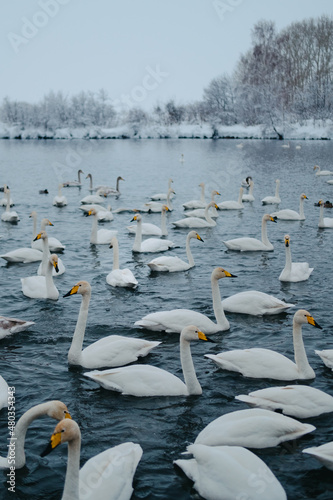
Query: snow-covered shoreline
point(308, 131)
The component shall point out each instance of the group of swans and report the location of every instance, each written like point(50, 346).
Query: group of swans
point(149, 245)
point(151, 229)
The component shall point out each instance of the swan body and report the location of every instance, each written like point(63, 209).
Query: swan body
point(42, 287)
point(92, 198)
point(197, 203)
point(3, 395)
point(23, 255)
point(100, 236)
point(106, 476)
point(77, 183)
point(89, 206)
point(9, 326)
point(162, 196)
point(105, 215)
point(150, 245)
point(111, 351)
point(322, 172)
point(299, 401)
point(265, 363)
point(151, 229)
point(4, 201)
point(248, 197)
point(156, 206)
point(9, 215)
point(196, 222)
point(253, 428)
point(324, 222)
point(327, 357)
point(201, 212)
point(60, 200)
point(176, 319)
point(294, 271)
point(46, 255)
point(231, 204)
point(246, 244)
point(147, 380)
point(120, 277)
point(53, 409)
point(323, 453)
point(272, 200)
point(174, 264)
point(254, 303)
point(109, 191)
point(54, 244)
point(287, 214)
point(229, 473)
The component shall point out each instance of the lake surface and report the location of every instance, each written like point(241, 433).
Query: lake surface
point(35, 361)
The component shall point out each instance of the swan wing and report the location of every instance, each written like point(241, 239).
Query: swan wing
point(323, 453)
point(255, 303)
point(122, 278)
point(247, 245)
point(24, 255)
point(300, 271)
point(327, 356)
point(175, 320)
point(168, 264)
point(8, 326)
point(156, 245)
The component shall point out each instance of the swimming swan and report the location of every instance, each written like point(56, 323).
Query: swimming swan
point(109, 191)
point(324, 222)
point(294, 271)
point(196, 222)
point(287, 214)
point(322, 172)
point(323, 453)
point(156, 206)
point(147, 380)
point(327, 357)
point(176, 319)
point(99, 236)
point(272, 200)
point(41, 271)
point(162, 196)
point(254, 303)
point(106, 476)
point(246, 244)
point(42, 287)
point(54, 244)
point(9, 326)
point(53, 409)
point(231, 204)
point(120, 277)
point(151, 244)
point(77, 183)
point(60, 200)
point(230, 472)
point(151, 229)
point(265, 363)
point(9, 215)
point(299, 401)
point(111, 351)
point(201, 212)
point(173, 264)
point(248, 197)
point(197, 203)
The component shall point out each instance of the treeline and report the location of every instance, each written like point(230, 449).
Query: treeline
point(284, 77)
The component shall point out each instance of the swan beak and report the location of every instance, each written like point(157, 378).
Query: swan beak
point(199, 238)
point(72, 291)
point(229, 275)
point(202, 336)
point(49, 223)
point(38, 237)
point(53, 443)
point(67, 414)
point(55, 265)
point(134, 218)
point(274, 219)
point(286, 241)
point(312, 322)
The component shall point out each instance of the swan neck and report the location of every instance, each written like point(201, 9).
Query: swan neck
point(321, 215)
point(117, 184)
point(251, 188)
point(168, 200)
point(115, 255)
point(71, 487)
point(79, 176)
point(91, 182)
point(93, 236)
point(207, 215)
point(163, 224)
point(45, 256)
point(75, 351)
point(240, 197)
point(34, 229)
point(190, 377)
point(49, 279)
point(303, 367)
point(8, 201)
point(277, 190)
point(264, 237)
point(301, 208)
point(202, 197)
point(217, 304)
point(288, 260)
point(188, 251)
point(138, 237)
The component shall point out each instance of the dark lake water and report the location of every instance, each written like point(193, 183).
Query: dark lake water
point(35, 361)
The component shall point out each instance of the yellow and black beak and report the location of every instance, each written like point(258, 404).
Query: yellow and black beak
point(274, 219)
point(38, 237)
point(203, 336)
point(67, 414)
point(199, 238)
point(53, 443)
point(312, 322)
point(229, 275)
point(134, 218)
point(55, 265)
point(72, 291)
point(286, 242)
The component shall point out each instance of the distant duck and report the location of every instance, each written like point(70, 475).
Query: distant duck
point(324, 222)
point(294, 271)
point(322, 172)
point(272, 200)
point(9, 215)
point(248, 197)
point(60, 200)
point(77, 183)
point(327, 204)
point(43, 191)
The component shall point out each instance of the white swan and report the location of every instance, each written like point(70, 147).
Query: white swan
point(248, 197)
point(327, 357)
point(16, 453)
point(9, 215)
point(41, 271)
point(300, 401)
point(120, 277)
point(230, 472)
point(105, 215)
point(156, 206)
point(322, 172)
point(89, 206)
point(162, 196)
point(4, 200)
point(286, 145)
point(77, 183)
point(287, 214)
point(323, 453)
point(173, 264)
point(176, 319)
point(247, 244)
point(99, 236)
point(246, 182)
point(272, 200)
point(253, 428)
point(106, 476)
point(196, 222)
point(111, 351)
point(60, 200)
point(9, 326)
point(109, 191)
point(200, 212)
point(151, 229)
point(255, 303)
point(324, 222)
point(42, 287)
point(89, 176)
point(3, 395)
point(147, 380)
point(231, 204)
point(197, 203)
point(151, 244)
point(294, 271)
point(23, 255)
point(54, 244)
point(265, 363)
point(93, 198)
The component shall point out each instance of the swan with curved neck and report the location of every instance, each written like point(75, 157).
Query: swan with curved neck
point(196, 222)
point(54, 244)
point(321, 172)
point(46, 255)
point(265, 363)
point(9, 215)
point(294, 271)
point(113, 350)
point(120, 277)
point(42, 287)
point(200, 212)
point(147, 380)
point(151, 229)
point(272, 200)
point(106, 476)
point(151, 244)
point(287, 214)
point(99, 236)
point(176, 319)
point(173, 264)
point(231, 204)
point(246, 244)
point(162, 196)
point(155, 206)
point(77, 183)
point(54, 409)
point(197, 203)
point(324, 222)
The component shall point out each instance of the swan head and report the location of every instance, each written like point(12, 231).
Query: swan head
point(80, 171)
point(268, 217)
point(219, 273)
point(81, 287)
point(58, 410)
point(119, 178)
point(66, 430)
point(215, 193)
point(46, 222)
point(113, 242)
point(277, 181)
point(304, 197)
point(192, 332)
point(287, 240)
point(92, 211)
point(165, 208)
point(137, 217)
point(316, 167)
point(321, 202)
point(213, 204)
point(303, 317)
point(202, 184)
point(54, 261)
point(89, 176)
point(195, 235)
point(33, 214)
point(41, 236)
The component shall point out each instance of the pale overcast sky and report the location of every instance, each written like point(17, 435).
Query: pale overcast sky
point(139, 51)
